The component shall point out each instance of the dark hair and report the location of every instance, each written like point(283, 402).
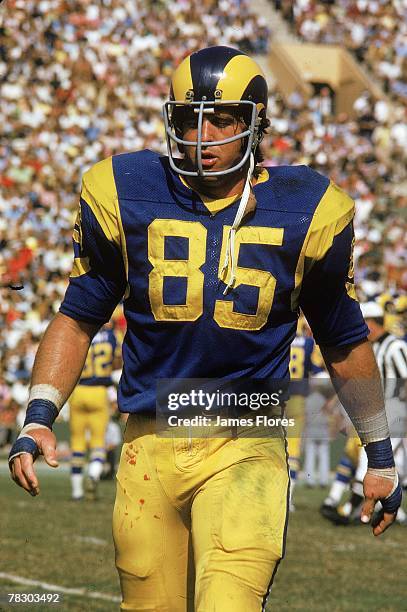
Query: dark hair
point(258, 154)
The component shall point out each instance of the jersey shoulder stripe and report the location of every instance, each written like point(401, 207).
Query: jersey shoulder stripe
point(99, 192)
point(333, 213)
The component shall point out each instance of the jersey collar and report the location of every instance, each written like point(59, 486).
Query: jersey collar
point(215, 205)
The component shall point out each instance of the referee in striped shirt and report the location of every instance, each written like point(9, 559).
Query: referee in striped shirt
point(390, 352)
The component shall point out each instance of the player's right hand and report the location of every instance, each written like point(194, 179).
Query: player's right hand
point(22, 465)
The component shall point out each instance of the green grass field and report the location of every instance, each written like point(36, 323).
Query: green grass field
point(51, 539)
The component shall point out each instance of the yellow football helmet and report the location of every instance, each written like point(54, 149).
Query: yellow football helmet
point(386, 300)
point(401, 303)
point(205, 80)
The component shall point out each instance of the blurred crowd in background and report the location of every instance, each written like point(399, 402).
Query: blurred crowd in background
point(374, 30)
point(82, 80)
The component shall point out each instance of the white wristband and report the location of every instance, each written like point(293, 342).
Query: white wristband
point(371, 428)
point(47, 392)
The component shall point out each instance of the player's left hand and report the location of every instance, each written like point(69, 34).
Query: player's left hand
point(376, 488)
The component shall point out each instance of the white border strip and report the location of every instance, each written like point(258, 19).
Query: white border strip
point(82, 592)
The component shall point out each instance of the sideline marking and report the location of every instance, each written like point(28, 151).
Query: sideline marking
point(82, 592)
point(90, 540)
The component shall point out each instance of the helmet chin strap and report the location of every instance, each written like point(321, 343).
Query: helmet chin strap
point(230, 245)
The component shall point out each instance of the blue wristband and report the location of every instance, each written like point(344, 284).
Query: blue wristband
point(392, 504)
point(380, 454)
point(42, 412)
point(23, 445)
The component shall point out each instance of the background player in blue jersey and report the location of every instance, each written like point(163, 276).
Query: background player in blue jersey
point(214, 256)
point(301, 367)
point(89, 411)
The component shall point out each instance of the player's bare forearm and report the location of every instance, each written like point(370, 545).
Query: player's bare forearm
point(355, 376)
point(58, 364)
point(62, 353)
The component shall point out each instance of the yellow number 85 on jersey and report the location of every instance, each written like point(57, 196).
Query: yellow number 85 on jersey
point(196, 233)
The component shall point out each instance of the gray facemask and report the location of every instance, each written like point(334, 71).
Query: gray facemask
point(208, 107)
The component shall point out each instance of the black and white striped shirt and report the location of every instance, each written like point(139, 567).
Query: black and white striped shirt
point(391, 356)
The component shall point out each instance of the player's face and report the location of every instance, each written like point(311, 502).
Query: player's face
point(217, 126)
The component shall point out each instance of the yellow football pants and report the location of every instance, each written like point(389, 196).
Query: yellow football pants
point(89, 411)
point(353, 447)
point(199, 524)
point(295, 409)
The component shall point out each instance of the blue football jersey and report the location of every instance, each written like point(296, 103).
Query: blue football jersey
point(301, 364)
point(142, 234)
point(99, 361)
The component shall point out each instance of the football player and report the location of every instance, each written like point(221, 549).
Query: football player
point(392, 316)
point(89, 411)
point(345, 472)
point(301, 366)
point(214, 256)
